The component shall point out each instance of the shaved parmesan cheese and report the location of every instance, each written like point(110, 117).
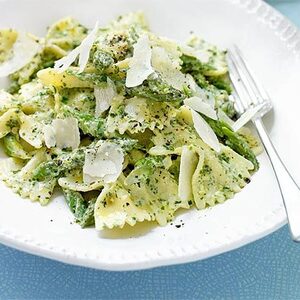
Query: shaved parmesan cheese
point(64, 63)
point(83, 51)
point(188, 164)
point(200, 54)
point(198, 105)
point(205, 95)
point(49, 136)
point(203, 56)
point(140, 64)
point(246, 117)
point(205, 132)
point(223, 117)
point(24, 49)
point(135, 107)
point(168, 69)
point(104, 97)
point(187, 50)
point(86, 46)
point(63, 133)
point(104, 163)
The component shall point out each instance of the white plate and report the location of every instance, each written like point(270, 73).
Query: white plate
point(272, 46)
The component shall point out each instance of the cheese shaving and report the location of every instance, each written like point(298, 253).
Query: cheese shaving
point(188, 163)
point(205, 132)
point(198, 105)
point(83, 51)
point(169, 69)
point(62, 133)
point(104, 97)
point(223, 117)
point(140, 64)
point(104, 163)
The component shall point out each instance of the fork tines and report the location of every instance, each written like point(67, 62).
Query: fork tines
point(248, 93)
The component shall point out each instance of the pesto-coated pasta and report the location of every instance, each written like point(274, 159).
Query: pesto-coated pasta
point(129, 125)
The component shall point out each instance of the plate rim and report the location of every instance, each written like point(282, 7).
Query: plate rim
point(289, 35)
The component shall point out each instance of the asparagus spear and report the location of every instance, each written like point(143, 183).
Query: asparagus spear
point(83, 210)
point(59, 165)
point(67, 161)
point(13, 148)
point(88, 123)
point(102, 60)
point(157, 90)
point(233, 140)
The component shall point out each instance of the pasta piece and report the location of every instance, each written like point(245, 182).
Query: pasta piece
point(17, 175)
point(23, 50)
point(127, 21)
point(66, 33)
point(7, 39)
point(252, 140)
point(173, 138)
point(171, 47)
point(114, 45)
point(75, 182)
point(6, 101)
point(8, 121)
point(147, 186)
point(33, 97)
point(219, 177)
point(31, 130)
point(51, 77)
point(80, 99)
point(138, 114)
point(29, 90)
point(169, 69)
point(114, 208)
point(209, 55)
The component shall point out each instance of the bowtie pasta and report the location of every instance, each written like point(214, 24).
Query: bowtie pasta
point(131, 126)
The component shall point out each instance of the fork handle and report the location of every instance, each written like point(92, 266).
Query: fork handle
point(290, 191)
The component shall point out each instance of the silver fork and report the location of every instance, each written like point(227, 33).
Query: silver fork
point(249, 93)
